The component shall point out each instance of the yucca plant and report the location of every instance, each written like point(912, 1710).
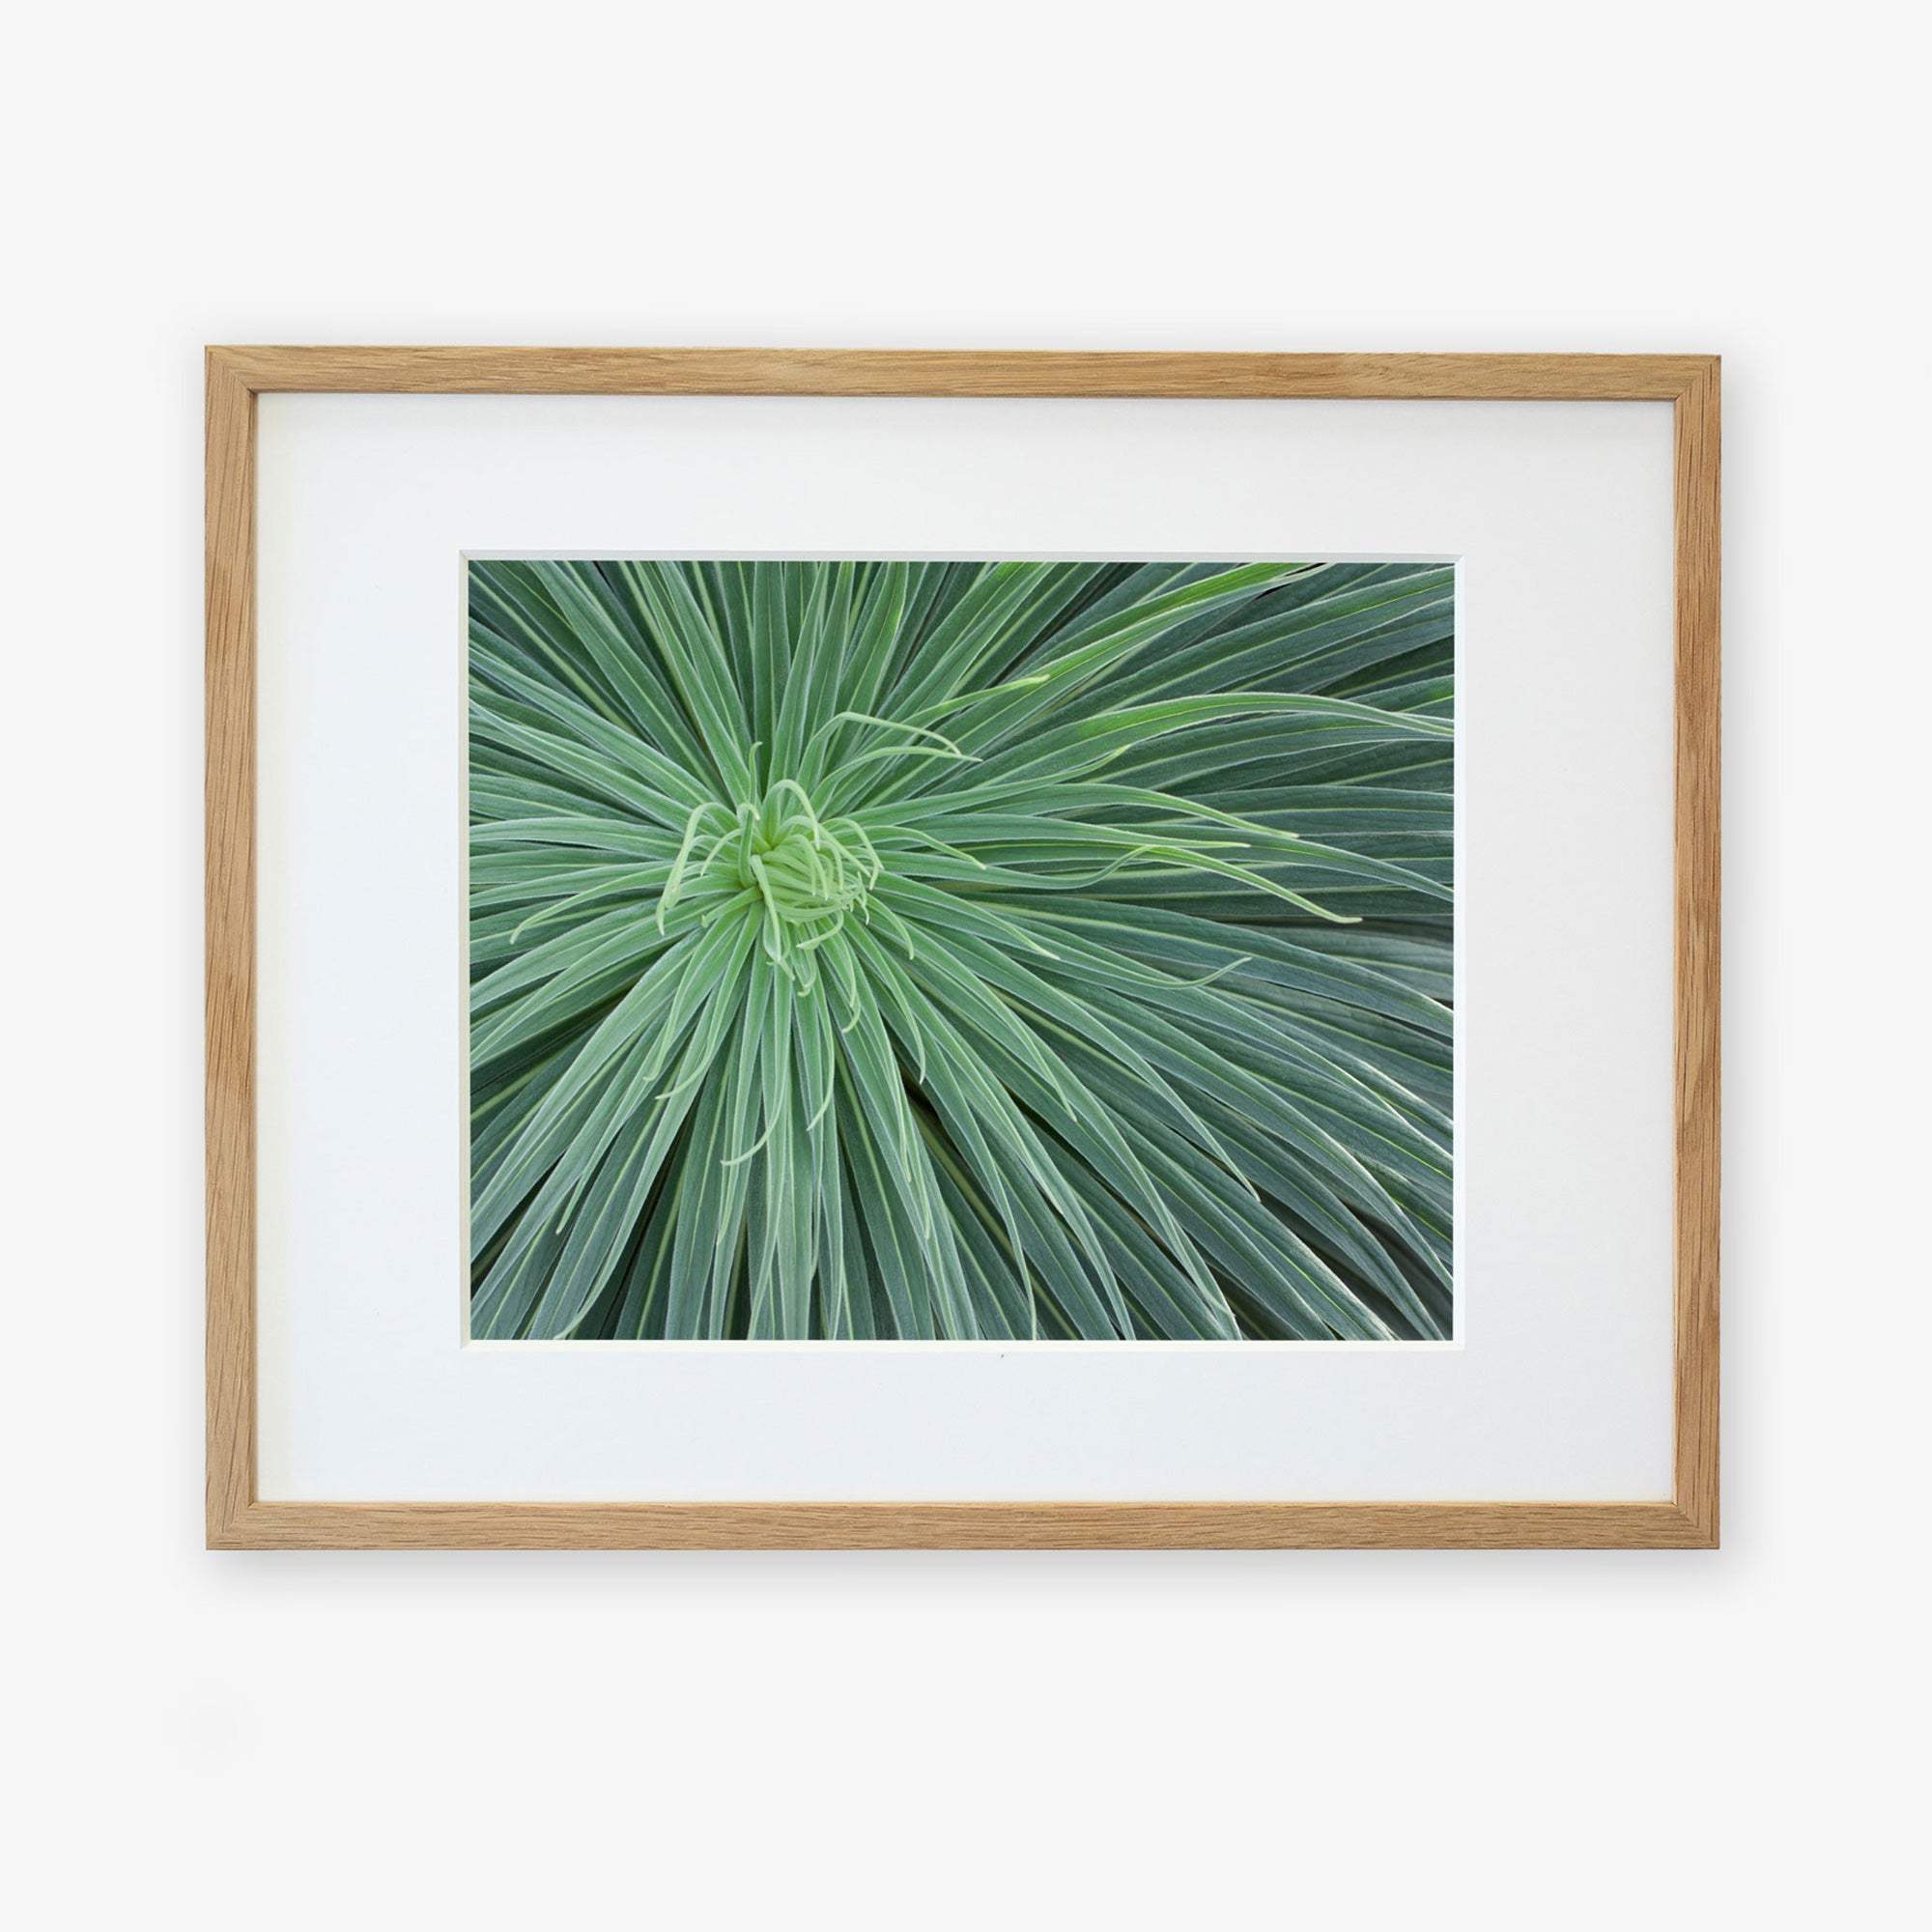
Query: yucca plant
point(951, 950)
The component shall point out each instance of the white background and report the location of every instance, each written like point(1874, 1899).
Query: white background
point(1561, 515)
point(939, 1740)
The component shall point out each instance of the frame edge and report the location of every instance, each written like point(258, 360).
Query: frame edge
point(236, 1516)
point(1697, 865)
point(971, 1525)
point(229, 1095)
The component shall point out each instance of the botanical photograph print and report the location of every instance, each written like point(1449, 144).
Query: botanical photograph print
point(960, 951)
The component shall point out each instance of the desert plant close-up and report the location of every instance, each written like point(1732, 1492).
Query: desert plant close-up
point(884, 951)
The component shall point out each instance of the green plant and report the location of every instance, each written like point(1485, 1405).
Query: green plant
point(960, 950)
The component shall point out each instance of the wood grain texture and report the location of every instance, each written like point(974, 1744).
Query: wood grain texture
point(886, 1526)
point(938, 372)
point(229, 910)
point(237, 1519)
point(1699, 1149)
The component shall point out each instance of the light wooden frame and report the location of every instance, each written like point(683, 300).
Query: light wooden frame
point(237, 1517)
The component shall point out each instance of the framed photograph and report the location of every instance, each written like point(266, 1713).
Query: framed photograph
point(863, 949)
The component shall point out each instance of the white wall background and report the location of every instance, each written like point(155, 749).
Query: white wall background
point(947, 1740)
